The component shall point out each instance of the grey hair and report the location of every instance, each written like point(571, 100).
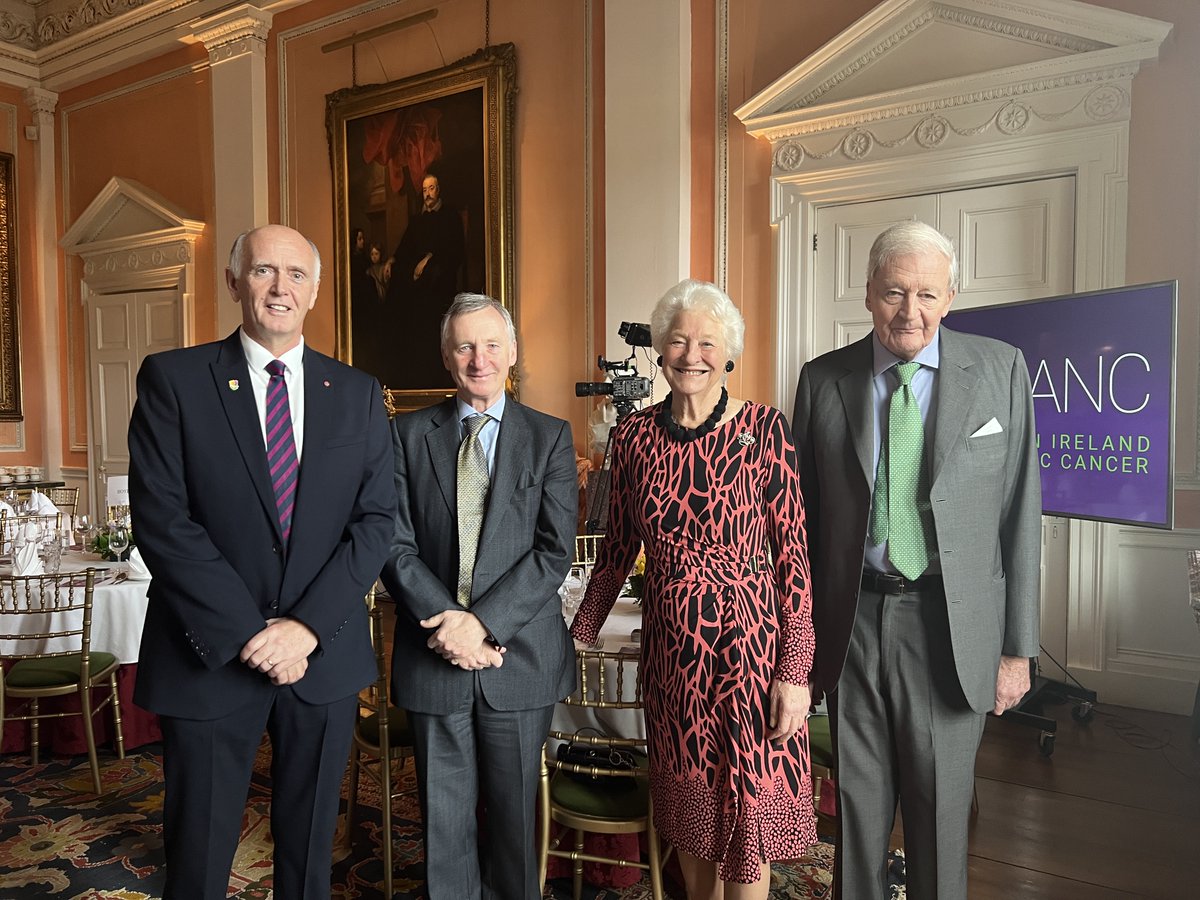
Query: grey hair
point(465, 304)
point(909, 239)
point(237, 255)
point(691, 295)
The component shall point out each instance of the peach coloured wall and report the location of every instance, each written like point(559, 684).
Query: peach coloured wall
point(22, 443)
point(766, 39)
point(548, 144)
point(151, 123)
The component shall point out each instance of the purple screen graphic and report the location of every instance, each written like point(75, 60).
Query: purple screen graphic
point(1102, 366)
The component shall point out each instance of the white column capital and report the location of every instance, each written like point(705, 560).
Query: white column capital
point(41, 101)
point(238, 31)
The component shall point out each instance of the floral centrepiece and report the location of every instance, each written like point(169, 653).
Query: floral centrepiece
point(99, 545)
point(636, 583)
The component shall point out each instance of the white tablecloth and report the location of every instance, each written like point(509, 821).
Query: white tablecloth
point(118, 611)
point(616, 635)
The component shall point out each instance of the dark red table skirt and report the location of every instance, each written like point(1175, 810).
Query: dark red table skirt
point(617, 846)
point(64, 737)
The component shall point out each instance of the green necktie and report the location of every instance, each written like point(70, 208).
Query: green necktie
point(473, 486)
point(900, 514)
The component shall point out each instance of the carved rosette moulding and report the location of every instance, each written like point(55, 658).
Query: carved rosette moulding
point(234, 33)
point(1042, 106)
point(169, 255)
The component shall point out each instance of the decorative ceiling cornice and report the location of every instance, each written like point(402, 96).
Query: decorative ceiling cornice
point(32, 28)
point(57, 44)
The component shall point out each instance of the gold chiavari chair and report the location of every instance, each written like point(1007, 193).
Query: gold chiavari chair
point(53, 632)
point(586, 548)
point(598, 801)
point(117, 513)
point(376, 748)
point(65, 499)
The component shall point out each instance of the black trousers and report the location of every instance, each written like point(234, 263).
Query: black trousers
point(207, 765)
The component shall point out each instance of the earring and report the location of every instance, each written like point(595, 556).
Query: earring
point(660, 360)
point(729, 366)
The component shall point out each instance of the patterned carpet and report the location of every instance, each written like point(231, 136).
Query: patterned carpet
point(59, 839)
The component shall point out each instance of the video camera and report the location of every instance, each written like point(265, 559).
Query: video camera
point(625, 386)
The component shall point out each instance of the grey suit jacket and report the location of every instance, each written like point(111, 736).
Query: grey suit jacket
point(525, 549)
point(985, 493)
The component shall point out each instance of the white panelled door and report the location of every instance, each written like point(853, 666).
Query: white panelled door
point(122, 330)
point(1014, 241)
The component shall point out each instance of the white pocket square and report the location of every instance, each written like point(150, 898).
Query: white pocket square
point(991, 426)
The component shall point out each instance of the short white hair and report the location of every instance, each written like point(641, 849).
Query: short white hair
point(468, 303)
point(911, 239)
point(237, 254)
point(691, 295)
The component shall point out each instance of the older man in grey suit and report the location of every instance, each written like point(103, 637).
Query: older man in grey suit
point(921, 485)
point(484, 537)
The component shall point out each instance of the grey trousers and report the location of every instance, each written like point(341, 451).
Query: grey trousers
point(902, 730)
point(475, 754)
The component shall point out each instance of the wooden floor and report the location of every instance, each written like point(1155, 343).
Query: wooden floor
point(1114, 813)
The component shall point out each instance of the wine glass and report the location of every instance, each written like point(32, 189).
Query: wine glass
point(118, 540)
point(83, 527)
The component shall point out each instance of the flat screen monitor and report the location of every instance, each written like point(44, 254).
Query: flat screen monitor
point(1102, 367)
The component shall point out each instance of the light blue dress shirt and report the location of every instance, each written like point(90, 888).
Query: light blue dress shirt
point(490, 431)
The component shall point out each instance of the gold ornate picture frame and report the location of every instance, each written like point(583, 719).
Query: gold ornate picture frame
point(423, 201)
point(10, 359)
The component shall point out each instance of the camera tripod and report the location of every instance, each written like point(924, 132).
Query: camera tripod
point(599, 488)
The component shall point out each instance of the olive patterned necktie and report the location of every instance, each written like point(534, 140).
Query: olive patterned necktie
point(473, 486)
point(900, 514)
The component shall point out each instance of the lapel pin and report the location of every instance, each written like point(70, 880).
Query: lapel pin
point(233, 384)
point(746, 439)
point(326, 384)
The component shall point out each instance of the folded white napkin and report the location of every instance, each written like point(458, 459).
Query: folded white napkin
point(137, 566)
point(40, 505)
point(26, 560)
point(6, 509)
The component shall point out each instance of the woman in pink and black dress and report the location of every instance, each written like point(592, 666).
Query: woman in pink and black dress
point(709, 485)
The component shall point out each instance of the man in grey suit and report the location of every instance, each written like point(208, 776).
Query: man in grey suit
point(921, 487)
point(484, 538)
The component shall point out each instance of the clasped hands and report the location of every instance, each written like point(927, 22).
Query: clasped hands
point(460, 639)
point(281, 650)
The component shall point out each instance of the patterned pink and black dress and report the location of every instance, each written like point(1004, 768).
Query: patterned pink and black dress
point(727, 608)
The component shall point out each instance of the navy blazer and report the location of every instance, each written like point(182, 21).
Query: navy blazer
point(205, 520)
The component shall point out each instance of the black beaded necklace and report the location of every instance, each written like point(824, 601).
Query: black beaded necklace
point(681, 434)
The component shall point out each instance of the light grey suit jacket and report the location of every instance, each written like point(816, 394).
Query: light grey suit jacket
point(985, 493)
point(525, 549)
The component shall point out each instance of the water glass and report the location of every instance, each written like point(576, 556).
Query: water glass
point(572, 591)
point(52, 553)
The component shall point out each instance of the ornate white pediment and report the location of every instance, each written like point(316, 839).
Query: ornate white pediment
point(130, 235)
point(915, 75)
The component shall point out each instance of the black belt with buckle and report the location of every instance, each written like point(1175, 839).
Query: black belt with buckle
point(897, 584)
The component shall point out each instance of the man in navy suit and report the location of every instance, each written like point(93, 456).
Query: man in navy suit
point(481, 651)
point(261, 487)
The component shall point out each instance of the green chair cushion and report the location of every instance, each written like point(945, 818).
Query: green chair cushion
point(54, 671)
point(399, 732)
point(820, 742)
point(606, 798)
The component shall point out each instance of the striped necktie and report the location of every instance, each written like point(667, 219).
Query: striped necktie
point(281, 447)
